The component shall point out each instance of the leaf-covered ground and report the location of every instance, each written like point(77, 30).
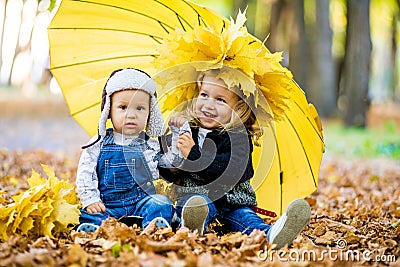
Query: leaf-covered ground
point(355, 210)
point(355, 221)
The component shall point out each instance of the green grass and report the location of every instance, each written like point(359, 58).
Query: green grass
point(362, 142)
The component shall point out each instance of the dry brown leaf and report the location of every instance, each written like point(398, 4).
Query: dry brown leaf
point(319, 230)
point(205, 260)
point(76, 255)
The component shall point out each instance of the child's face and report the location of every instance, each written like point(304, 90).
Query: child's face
point(129, 111)
point(215, 103)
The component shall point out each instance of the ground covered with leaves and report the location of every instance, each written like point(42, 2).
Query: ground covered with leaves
point(355, 221)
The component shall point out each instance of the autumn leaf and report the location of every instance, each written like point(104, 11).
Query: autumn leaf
point(49, 206)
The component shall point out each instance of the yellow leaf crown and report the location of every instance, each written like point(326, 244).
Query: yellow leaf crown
point(232, 47)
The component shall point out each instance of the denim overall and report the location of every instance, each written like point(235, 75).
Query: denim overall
point(125, 184)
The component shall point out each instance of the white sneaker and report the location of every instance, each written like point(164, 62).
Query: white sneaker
point(156, 223)
point(290, 224)
point(194, 214)
point(87, 227)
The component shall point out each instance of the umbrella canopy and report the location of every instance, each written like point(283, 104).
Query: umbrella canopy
point(90, 39)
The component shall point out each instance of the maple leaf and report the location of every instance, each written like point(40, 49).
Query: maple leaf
point(35, 179)
point(64, 212)
point(203, 37)
point(48, 206)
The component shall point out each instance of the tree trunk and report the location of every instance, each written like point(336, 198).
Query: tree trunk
point(298, 49)
point(277, 40)
point(250, 5)
point(262, 19)
point(395, 54)
point(322, 78)
point(239, 4)
point(354, 101)
point(2, 21)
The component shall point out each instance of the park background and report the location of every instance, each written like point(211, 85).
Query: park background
point(344, 55)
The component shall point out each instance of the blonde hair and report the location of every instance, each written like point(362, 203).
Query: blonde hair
point(242, 112)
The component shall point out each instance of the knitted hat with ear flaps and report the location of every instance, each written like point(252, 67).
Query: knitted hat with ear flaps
point(131, 78)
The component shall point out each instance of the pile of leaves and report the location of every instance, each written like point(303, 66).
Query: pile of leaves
point(50, 205)
point(355, 220)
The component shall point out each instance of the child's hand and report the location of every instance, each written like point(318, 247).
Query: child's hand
point(185, 144)
point(96, 207)
point(176, 121)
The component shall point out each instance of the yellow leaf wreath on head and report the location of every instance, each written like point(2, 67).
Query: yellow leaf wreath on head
point(233, 47)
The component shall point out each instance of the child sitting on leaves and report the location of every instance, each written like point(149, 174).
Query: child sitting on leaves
point(116, 170)
point(213, 178)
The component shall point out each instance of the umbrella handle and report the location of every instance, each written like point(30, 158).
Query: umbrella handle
point(263, 211)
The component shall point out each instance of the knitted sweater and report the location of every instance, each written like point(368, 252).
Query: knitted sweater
point(221, 169)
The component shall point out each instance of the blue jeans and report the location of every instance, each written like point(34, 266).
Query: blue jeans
point(242, 219)
point(149, 207)
point(234, 219)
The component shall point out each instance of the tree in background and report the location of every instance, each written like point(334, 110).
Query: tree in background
point(298, 43)
point(353, 99)
point(395, 53)
point(302, 29)
point(309, 46)
point(322, 79)
point(279, 27)
point(23, 44)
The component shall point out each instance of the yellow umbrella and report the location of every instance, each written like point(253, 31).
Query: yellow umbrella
point(90, 39)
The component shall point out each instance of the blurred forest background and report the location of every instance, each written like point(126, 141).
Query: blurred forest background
point(344, 54)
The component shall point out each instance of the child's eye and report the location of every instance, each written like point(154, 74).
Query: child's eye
point(221, 100)
point(123, 107)
point(140, 108)
point(204, 95)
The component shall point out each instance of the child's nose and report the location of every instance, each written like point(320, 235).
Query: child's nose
point(210, 103)
point(131, 113)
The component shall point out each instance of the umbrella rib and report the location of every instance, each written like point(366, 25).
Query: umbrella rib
point(130, 10)
point(86, 108)
point(223, 27)
point(308, 160)
point(280, 168)
point(156, 38)
point(99, 60)
point(281, 187)
point(180, 21)
point(177, 15)
point(199, 17)
point(312, 125)
point(162, 24)
point(180, 18)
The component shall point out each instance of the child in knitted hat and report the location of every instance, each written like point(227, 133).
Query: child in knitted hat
point(116, 168)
